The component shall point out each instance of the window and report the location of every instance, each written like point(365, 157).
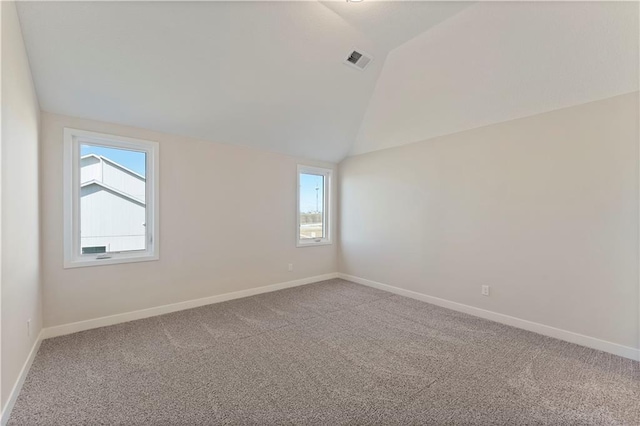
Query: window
point(314, 187)
point(91, 250)
point(110, 199)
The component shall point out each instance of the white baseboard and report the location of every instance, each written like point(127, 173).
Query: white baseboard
point(546, 330)
point(74, 327)
point(13, 395)
point(569, 336)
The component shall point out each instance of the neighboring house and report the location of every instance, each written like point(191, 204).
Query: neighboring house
point(112, 206)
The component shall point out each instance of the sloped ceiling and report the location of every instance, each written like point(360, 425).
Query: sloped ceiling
point(265, 75)
point(498, 61)
point(388, 24)
point(270, 75)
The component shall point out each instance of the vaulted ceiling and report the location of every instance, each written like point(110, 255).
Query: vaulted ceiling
point(270, 75)
point(498, 61)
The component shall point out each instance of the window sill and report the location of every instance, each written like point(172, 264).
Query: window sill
point(82, 263)
point(301, 244)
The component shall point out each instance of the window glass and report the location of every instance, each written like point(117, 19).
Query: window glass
point(112, 199)
point(94, 250)
point(311, 208)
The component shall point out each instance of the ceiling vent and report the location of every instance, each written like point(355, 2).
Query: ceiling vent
point(358, 59)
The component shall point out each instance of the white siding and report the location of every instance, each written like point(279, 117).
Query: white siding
point(123, 181)
point(111, 220)
point(90, 169)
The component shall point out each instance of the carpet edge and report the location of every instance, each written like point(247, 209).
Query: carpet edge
point(545, 330)
point(74, 327)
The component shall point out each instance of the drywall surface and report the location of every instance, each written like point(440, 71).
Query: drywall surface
point(543, 209)
point(498, 61)
point(20, 276)
point(227, 223)
point(268, 75)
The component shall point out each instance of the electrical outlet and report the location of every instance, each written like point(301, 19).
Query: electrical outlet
point(29, 327)
point(485, 290)
point(290, 267)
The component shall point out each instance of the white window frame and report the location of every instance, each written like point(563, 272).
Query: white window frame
point(73, 258)
point(326, 209)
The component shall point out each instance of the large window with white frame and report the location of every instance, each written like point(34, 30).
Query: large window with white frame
point(314, 213)
point(111, 210)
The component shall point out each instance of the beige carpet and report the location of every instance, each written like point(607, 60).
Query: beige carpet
point(327, 353)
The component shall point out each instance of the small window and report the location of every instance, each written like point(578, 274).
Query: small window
point(314, 186)
point(94, 250)
point(111, 199)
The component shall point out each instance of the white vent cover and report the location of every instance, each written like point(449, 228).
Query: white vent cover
point(358, 59)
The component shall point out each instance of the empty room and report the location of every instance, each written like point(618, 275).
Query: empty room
point(320, 213)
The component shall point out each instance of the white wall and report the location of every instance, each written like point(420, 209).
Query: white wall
point(227, 223)
point(544, 209)
point(20, 271)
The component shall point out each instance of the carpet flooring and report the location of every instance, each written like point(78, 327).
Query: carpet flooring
point(328, 353)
